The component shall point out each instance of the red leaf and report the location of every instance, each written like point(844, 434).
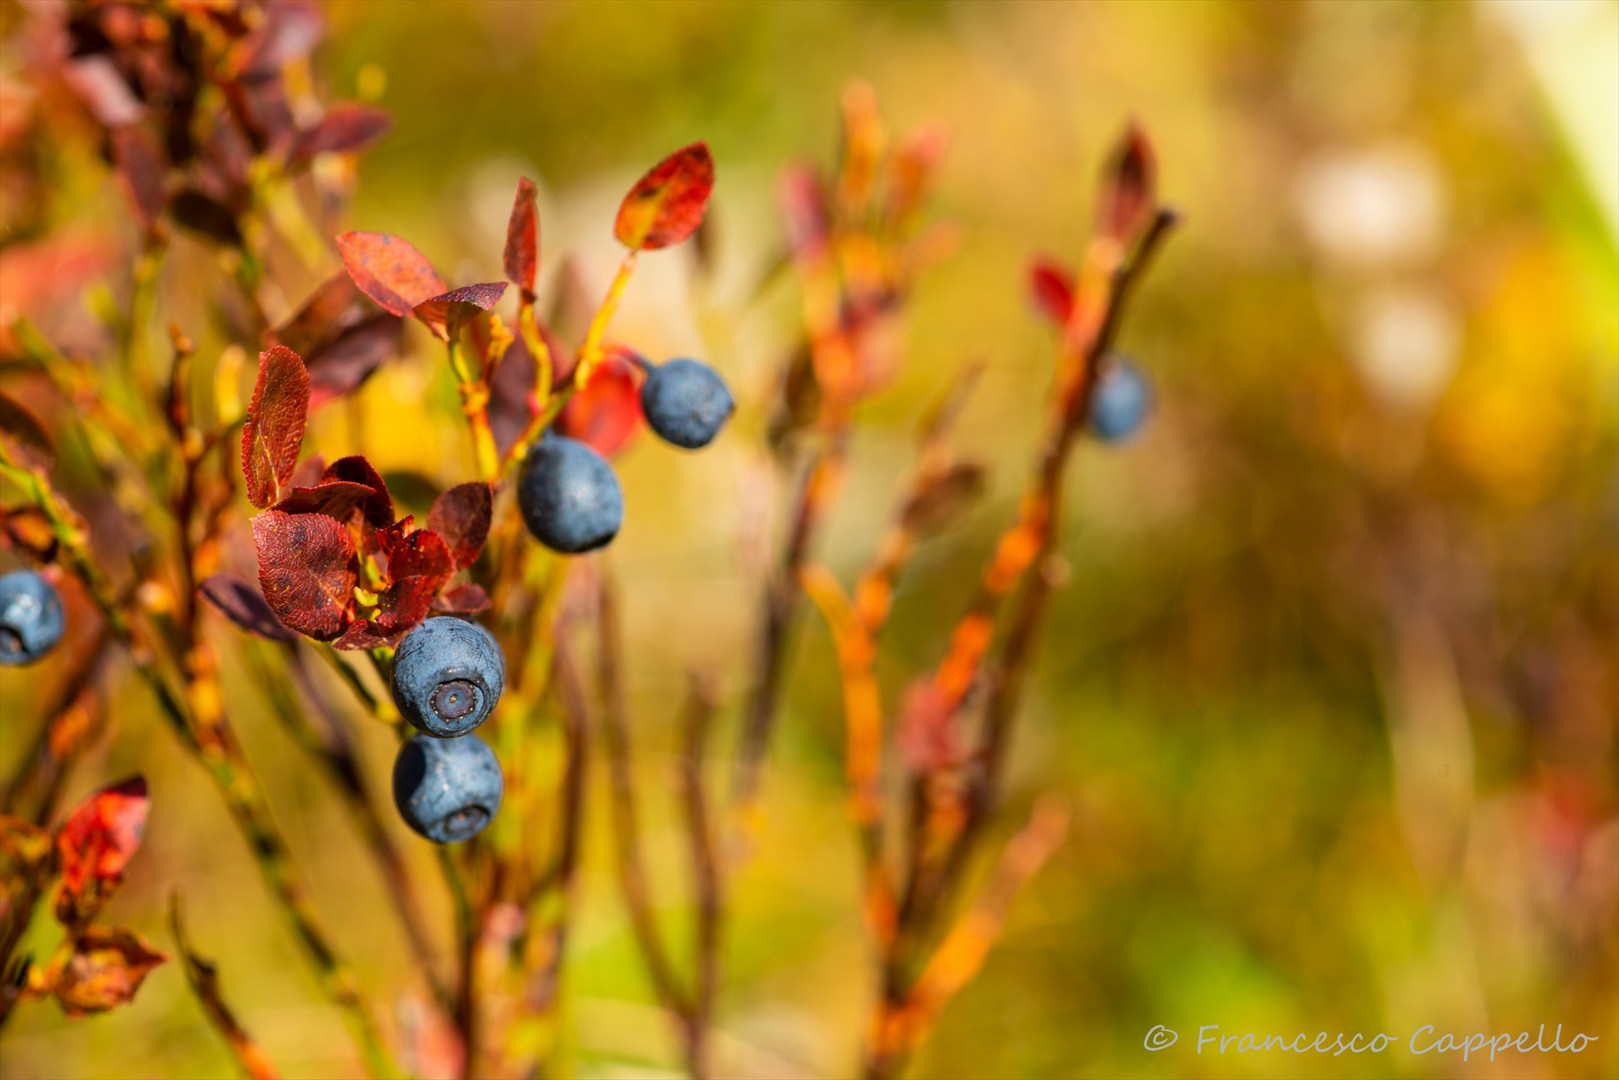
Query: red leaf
point(607, 412)
point(419, 566)
point(275, 424)
point(1129, 189)
point(97, 82)
point(389, 270)
point(320, 318)
point(392, 537)
point(445, 314)
point(291, 29)
point(666, 205)
point(139, 161)
point(523, 240)
point(341, 367)
point(912, 168)
point(107, 967)
point(1052, 288)
point(334, 498)
point(306, 570)
point(240, 601)
point(309, 471)
point(379, 508)
point(345, 129)
point(94, 845)
point(927, 735)
point(461, 517)
point(466, 599)
point(364, 635)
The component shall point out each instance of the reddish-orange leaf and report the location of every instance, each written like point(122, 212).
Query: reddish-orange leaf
point(139, 161)
point(379, 508)
point(275, 424)
point(1051, 287)
point(334, 498)
point(320, 317)
point(107, 967)
point(1129, 188)
point(419, 566)
point(666, 205)
point(240, 601)
point(389, 270)
point(306, 571)
point(607, 412)
point(523, 240)
point(461, 517)
point(448, 312)
point(94, 845)
point(346, 128)
point(468, 599)
point(912, 169)
point(803, 202)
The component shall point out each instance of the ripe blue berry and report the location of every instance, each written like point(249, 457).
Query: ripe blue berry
point(568, 494)
point(1122, 399)
point(686, 403)
point(31, 620)
point(447, 789)
point(448, 674)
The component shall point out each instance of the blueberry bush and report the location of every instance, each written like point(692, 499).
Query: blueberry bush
point(128, 475)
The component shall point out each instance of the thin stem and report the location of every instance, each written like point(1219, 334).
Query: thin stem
point(696, 726)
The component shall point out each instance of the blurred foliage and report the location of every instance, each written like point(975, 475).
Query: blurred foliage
point(1332, 685)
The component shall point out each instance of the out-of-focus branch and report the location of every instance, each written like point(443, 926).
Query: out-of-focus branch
point(899, 1025)
point(695, 728)
point(42, 770)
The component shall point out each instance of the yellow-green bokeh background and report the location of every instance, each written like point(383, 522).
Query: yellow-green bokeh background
point(1332, 687)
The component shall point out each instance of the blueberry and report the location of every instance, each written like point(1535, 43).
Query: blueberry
point(448, 674)
point(447, 789)
point(568, 494)
point(1122, 399)
point(31, 620)
point(686, 403)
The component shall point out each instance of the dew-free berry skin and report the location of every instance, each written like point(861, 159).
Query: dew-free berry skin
point(686, 403)
point(448, 674)
point(31, 618)
point(447, 790)
point(569, 496)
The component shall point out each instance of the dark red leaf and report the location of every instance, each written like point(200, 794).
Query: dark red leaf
point(260, 107)
point(106, 969)
point(607, 412)
point(1129, 189)
point(418, 566)
point(461, 517)
point(334, 498)
point(94, 845)
point(379, 508)
point(391, 538)
point(510, 393)
point(240, 601)
point(389, 270)
point(667, 204)
point(275, 424)
point(523, 240)
point(445, 314)
point(320, 318)
point(25, 435)
point(338, 369)
point(139, 161)
point(306, 570)
point(309, 471)
point(345, 129)
point(466, 599)
point(1051, 287)
point(206, 217)
point(226, 159)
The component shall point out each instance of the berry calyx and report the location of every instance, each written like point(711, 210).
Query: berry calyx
point(447, 676)
point(447, 790)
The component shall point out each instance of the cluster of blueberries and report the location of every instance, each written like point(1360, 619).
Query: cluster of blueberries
point(448, 673)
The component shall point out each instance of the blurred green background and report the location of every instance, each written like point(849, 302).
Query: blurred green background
point(1332, 687)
